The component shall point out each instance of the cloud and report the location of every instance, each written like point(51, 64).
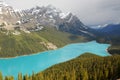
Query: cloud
point(90, 12)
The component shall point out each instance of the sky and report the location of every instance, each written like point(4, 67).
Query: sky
point(90, 12)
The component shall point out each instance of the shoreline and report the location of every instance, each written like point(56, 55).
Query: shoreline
point(40, 52)
point(24, 55)
point(108, 52)
point(37, 53)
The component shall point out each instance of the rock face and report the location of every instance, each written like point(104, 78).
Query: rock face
point(49, 46)
point(50, 16)
point(72, 24)
point(8, 16)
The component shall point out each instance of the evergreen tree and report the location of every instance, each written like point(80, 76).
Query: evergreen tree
point(20, 76)
point(1, 76)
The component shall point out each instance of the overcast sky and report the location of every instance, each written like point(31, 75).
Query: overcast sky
point(90, 12)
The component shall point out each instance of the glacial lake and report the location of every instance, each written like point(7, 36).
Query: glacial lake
point(43, 60)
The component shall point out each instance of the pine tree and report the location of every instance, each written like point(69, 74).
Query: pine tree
point(1, 77)
point(20, 76)
point(26, 77)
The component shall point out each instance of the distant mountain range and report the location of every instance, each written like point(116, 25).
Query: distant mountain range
point(37, 17)
point(107, 32)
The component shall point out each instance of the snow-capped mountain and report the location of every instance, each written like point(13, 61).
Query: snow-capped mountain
point(32, 19)
point(9, 17)
point(8, 11)
point(51, 16)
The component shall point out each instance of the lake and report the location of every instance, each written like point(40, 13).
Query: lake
point(43, 60)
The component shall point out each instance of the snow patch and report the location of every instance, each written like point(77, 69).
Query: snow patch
point(99, 26)
point(70, 19)
point(63, 15)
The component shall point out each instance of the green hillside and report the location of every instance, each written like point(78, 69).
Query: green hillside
point(85, 67)
point(28, 43)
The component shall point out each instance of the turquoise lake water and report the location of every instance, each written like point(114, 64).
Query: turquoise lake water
point(43, 60)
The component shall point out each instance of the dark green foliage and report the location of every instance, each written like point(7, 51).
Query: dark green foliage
point(20, 76)
point(85, 67)
point(114, 49)
point(26, 77)
point(1, 76)
point(9, 78)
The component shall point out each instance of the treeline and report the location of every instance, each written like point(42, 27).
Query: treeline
point(85, 67)
point(28, 43)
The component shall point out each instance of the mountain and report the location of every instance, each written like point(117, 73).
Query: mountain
point(38, 29)
point(51, 16)
point(36, 18)
point(9, 17)
point(107, 33)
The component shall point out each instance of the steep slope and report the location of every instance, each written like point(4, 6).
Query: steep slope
point(35, 18)
point(22, 43)
point(51, 16)
point(9, 17)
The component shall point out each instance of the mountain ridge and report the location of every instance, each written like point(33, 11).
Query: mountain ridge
point(34, 18)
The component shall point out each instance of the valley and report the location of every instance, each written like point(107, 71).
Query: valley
point(44, 43)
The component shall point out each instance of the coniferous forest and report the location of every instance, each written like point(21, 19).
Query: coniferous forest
point(84, 67)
